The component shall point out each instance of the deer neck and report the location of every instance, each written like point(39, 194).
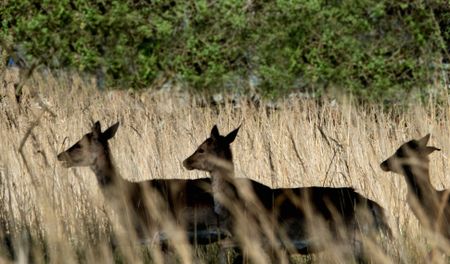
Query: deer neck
point(104, 171)
point(420, 189)
point(220, 178)
point(108, 179)
point(222, 185)
point(123, 196)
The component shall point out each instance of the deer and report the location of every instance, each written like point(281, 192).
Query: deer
point(291, 211)
point(429, 205)
point(188, 202)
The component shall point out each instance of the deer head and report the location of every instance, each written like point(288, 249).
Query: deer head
point(413, 153)
point(215, 149)
point(90, 148)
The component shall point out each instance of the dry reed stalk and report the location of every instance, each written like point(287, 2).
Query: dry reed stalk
point(287, 147)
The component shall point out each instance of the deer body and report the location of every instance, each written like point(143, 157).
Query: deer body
point(430, 206)
point(290, 209)
point(295, 209)
point(188, 203)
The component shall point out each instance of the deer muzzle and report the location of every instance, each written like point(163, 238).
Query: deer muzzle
point(188, 164)
point(64, 158)
point(385, 165)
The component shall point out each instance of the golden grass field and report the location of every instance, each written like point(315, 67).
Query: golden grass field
point(302, 143)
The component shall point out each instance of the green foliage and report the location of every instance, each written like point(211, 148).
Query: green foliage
point(374, 49)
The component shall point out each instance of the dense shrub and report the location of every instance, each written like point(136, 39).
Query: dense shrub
point(373, 49)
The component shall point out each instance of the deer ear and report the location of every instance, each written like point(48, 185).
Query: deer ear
point(97, 129)
point(430, 150)
point(424, 141)
point(110, 132)
point(215, 132)
point(232, 135)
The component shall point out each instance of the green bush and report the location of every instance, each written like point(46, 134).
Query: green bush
point(375, 50)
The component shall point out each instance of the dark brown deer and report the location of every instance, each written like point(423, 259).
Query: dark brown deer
point(289, 209)
point(430, 206)
point(188, 202)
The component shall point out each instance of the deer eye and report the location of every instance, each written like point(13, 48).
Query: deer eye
point(400, 153)
point(201, 151)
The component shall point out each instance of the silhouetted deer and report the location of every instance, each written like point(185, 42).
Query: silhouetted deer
point(431, 207)
point(187, 202)
point(292, 211)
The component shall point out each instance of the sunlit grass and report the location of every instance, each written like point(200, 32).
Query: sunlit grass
point(302, 143)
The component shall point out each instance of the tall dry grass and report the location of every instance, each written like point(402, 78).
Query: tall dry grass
point(302, 143)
